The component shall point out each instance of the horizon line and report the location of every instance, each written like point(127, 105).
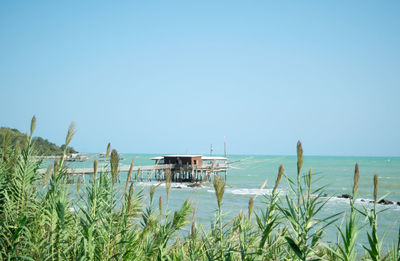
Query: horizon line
point(244, 154)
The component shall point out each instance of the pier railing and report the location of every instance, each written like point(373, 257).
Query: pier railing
point(125, 168)
point(180, 173)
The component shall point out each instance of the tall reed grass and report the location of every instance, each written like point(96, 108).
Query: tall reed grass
point(42, 218)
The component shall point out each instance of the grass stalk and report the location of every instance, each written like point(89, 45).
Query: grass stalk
point(219, 187)
point(374, 245)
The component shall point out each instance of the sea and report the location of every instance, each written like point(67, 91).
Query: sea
point(247, 173)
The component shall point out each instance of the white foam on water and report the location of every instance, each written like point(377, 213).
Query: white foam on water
point(149, 183)
point(392, 178)
point(338, 200)
point(362, 202)
point(249, 191)
point(246, 191)
point(162, 184)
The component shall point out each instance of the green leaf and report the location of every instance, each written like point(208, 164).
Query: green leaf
point(294, 247)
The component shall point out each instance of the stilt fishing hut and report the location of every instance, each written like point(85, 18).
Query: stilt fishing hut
point(184, 168)
point(192, 168)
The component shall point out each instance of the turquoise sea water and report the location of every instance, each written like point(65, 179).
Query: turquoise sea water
point(248, 172)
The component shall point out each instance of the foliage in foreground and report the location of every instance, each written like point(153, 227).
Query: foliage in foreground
point(42, 219)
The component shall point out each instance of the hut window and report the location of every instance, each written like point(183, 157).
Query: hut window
point(194, 162)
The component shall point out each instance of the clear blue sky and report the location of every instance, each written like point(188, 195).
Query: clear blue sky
point(175, 76)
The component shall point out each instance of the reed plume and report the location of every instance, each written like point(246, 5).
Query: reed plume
point(356, 180)
point(251, 205)
point(168, 181)
point(130, 197)
point(70, 134)
point(95, 171)
point(55, 169)
point(192, 229)
point(278, 178)
point(299, 157)
point(160, 206)
point(114, 165)
point(261, 188)
point(375, 187)
point(78, 184)
point(108, 150)
point(219, 186)
point(128, 179)
point(33, 126)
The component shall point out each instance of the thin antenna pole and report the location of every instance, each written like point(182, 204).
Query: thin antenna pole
point(226, 170)
point(225, 146)
point(211, 150)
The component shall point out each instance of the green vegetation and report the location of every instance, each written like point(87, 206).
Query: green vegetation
point(13, 138)
point(43, 218)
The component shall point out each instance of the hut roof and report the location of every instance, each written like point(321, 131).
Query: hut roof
point(190, 156)
point(182, 156)
point(213, 158)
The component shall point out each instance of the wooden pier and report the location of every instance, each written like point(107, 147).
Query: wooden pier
point(184, 168)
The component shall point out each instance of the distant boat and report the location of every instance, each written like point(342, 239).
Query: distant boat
point(75, 157)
